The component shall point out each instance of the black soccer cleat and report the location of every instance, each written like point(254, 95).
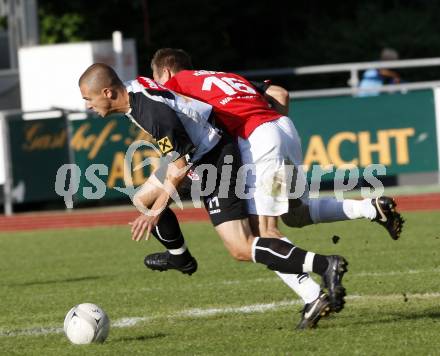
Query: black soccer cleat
point(387, 216)
point(161, 261)
point(314, 311)
point(332, 281)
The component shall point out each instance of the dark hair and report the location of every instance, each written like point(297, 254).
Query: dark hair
point(100, 75)
point(175, 59)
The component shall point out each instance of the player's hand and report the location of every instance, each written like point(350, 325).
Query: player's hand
point(142, 226)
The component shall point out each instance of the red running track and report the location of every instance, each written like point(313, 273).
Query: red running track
point(39, 221)
point(66, 220)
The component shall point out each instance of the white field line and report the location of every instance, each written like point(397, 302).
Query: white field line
point(276, 279)
point(394, 273)
point(201, 313)
point(350, 274)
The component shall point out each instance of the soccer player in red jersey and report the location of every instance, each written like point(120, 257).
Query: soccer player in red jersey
point(267, 139)
point(271, 147)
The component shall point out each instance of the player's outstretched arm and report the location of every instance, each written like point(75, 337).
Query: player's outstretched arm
point(145, 223)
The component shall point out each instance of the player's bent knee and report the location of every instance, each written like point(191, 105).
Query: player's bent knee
point(297, 217)
point(241, 254)
point(298, 223)
point(275, 233)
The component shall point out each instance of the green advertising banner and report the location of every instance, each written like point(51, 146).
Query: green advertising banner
point(396, 130)
point(37, 149)
point(104, 141)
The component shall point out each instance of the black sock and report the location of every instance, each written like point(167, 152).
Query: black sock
point(181, 259)
point(167, 231)
point(320, 264)
point(279, 255)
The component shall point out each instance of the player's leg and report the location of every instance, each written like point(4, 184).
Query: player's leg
point(302, 284)
point(282, 256)
point(261, 152)
point(177, 256)
point(302, 210)
point(262, 225)
point(229, 214)
point(381, 210)
point(307, 211)
point(167, 232)
point(229, 219)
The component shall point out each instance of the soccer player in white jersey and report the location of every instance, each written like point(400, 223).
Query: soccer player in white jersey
point(183, 128)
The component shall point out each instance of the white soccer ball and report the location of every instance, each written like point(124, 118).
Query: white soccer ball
point(86, 323)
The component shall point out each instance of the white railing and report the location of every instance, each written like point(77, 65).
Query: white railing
point(352, 83)
point(390, 88)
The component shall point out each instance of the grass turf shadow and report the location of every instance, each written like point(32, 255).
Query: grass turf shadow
point(157, 335)
point(55, 281)
point(386, 318)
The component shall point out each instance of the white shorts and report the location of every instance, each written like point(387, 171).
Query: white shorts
point(273, 153)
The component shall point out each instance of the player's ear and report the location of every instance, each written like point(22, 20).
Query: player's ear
point(168, 74)
point(108, 93)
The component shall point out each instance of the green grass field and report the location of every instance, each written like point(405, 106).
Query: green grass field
point(227, 307)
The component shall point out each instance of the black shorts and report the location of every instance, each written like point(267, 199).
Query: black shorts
point(217, 186)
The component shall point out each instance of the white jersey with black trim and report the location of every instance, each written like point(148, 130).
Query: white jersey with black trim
point(180, 123)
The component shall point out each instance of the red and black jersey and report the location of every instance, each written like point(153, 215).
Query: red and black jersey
point(179, 124)
point(238, 105)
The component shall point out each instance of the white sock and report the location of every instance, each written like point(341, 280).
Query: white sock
point(330, 209)
point(178, 251)
point(308, 262)
point(356, 209)
point(302, 284)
